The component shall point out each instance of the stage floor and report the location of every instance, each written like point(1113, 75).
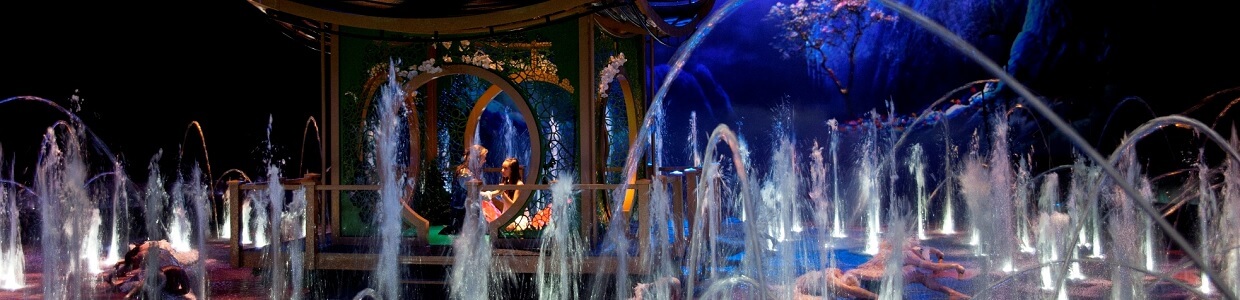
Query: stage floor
point(225, 282)
point(426, 278)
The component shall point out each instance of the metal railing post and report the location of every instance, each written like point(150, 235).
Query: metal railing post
point(233, 196)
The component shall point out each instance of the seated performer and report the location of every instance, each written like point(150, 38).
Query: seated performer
point(501, 200)
point(469, 169)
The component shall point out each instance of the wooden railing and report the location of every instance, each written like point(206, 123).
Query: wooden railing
point(683, 185)
point(321, 224)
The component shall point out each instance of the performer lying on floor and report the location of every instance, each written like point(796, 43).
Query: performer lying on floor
point(171, 281)
point(833, 283)
point(918, 268)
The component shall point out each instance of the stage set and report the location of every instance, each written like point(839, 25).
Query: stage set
point(544, 150)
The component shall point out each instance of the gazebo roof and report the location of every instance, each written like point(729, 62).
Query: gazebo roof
point(464, 18)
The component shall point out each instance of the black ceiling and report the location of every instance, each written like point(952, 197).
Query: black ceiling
point(455, 19)
point(418, 9)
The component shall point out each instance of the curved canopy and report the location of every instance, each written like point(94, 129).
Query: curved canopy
point(660, 18)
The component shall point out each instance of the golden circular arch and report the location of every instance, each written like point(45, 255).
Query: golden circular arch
point(411, 120)
point(498, 85)
point(415, 145)
point(630, 107)
point(630, 110)
point(504, 20)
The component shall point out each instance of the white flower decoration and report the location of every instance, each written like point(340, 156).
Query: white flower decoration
point(609, 73)
point(428, 66)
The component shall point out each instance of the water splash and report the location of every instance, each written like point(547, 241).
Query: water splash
point(949, 191)
point(178, 225)
point(84, 131)
point(295, 221)
point(1050, 228)
point(513, 145)
point(206, 160)
point(1207, 209)
point(156, 199)
point(1000, 239)
point(783, 181)
point(253, 219)
point(471, 274)
point(676, 65)
point(221, 232)
point(1229, 219)
point(837, 223)
point(199, 195)
point(657, 137)
point(917, 167)
point(891, 287)
point(1045, 111)
point(822, 217)
point(779, 213)
point(301, 161)
point(707, 218)
point(1078, 211)
point(818, 191)
point(221, 227)
point(562, 248)
point(508, 135)
point(1126, 235)
point(277, 264)
point(1150, 239)
point(12, 257)
point(975, 187)
point(695, 156)
point(387, 138)
point(1023, 190)
point(1093, 209)
point(91, 248)
point(868, 178)
point(366, 293)
point(65, 207)
point(120, 200)
point(888, 165)
point(474, 274)
point(1124, 151)
point(752, 266)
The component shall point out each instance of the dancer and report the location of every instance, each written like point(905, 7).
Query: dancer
point(172, 280)
point(918, 268)
point(661, 288)
point(466, 171)
point(831, 280)
point(502, 200)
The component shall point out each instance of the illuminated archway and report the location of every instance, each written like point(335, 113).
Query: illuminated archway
point(498, 85)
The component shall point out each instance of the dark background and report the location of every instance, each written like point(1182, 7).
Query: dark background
point(148, 69)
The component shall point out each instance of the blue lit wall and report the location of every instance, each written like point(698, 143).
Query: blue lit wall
point(1084, 57)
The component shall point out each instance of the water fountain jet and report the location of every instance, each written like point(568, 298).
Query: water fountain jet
point(12, 256)
point(564, 248)
point(752, 263)
point(1073, 136)
point(206, 157)
point(391, 182)
point(65, 212)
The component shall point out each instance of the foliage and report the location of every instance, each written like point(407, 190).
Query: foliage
point(814, 28)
